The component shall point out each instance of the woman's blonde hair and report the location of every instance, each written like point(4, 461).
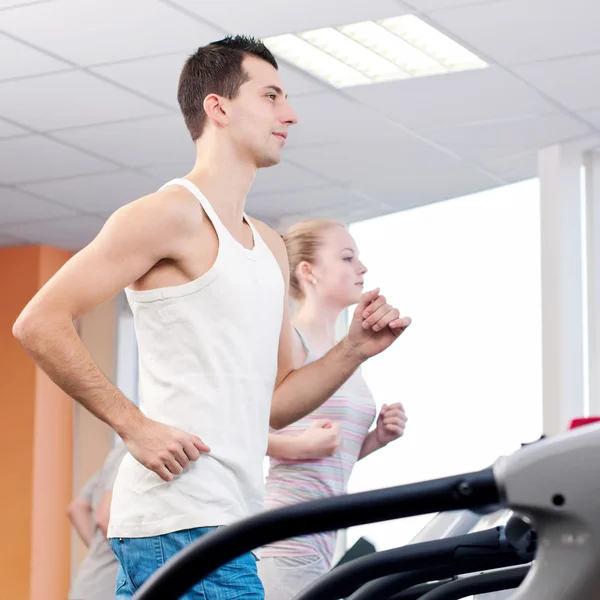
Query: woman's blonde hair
point(302, 242)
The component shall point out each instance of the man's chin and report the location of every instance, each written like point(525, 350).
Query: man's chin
point(269, 161)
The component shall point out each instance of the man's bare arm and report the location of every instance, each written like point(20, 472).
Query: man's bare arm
point(133, 240)
point(298, 392)
point(102, 516)
point(80, 515)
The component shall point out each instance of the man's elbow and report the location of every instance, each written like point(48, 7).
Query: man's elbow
point(277, 421)
point(21, 328)
point(32, 322)
point(102, 523)
point(78, 506)
point(71, 510)
point(275, 424)
point(26, 326)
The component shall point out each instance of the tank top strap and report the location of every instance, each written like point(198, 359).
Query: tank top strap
point(208, 209)
point(304, 342)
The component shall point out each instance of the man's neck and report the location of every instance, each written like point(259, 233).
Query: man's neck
point(224, 178)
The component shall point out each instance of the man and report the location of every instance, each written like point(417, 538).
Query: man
point(208, 288)
point(89, 512)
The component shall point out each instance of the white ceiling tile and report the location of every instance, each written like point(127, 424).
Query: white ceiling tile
point(300, 202)
point(493, 141)
point(156, 77)
point(18, 207)
point(71, 99)
point(285, 177)
point(514, 31)
point(103, 31)
point(405, 192)
point(5, 4)
point(100, 194)
point(330, 117)
point(9, 130)
point(165, 171)
point(526, 171)
point(69, 234)
point(570, 81)
point(274, 17)
point(137, 143)
point(348, 212)
point(368, 211)
point(592, 116)
point(374, 159)
point(25, 61)
point(426, 5)
point(517, 167)
point(35, 158)
point(466, 97)
point(7, 241)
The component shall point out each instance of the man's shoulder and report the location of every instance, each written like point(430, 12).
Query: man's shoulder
point(170, 210)
point(269, 235)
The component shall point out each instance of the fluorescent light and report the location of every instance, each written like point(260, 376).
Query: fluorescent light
point(315, 61)
point(431, 41)
point(370, 52)
point(352, 53)
point(410, 59)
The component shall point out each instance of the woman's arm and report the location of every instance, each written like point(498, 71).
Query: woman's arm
point(320, 440)
point(390, 426)
point(287, 447)
point(370, 445)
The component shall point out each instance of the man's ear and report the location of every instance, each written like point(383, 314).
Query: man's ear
point(215, 108)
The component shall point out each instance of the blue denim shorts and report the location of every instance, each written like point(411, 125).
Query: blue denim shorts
point(139, 558)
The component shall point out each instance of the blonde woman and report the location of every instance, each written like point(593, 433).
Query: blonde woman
point(314, 457)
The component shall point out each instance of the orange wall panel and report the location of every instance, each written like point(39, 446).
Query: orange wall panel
point(19, 277)
point(52, 473)
point(36, 437)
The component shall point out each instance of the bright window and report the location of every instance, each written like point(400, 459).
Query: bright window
point(468, 370)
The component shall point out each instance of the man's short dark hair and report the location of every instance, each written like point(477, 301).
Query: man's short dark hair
point(215, 69)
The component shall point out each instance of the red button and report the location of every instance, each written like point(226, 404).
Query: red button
point(583, 421)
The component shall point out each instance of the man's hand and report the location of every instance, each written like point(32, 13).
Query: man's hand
point(163, 449)
point(321, 439)
point(375, 325)
point(390, 423)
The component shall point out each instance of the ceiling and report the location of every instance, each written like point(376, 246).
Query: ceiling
point(89, 119)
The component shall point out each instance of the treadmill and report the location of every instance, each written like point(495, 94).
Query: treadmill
point(552, 487)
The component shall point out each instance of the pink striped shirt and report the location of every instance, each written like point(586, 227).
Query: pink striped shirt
point(291, 482)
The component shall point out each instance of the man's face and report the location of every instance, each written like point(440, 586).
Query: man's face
point(259, 116)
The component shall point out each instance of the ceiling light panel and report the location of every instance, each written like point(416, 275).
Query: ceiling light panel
point(373, 51)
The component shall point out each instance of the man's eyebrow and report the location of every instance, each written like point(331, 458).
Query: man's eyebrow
point(277, 89)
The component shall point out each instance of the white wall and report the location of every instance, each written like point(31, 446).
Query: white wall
point(468, 370)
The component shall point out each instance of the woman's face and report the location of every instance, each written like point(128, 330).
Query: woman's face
point(337, 269)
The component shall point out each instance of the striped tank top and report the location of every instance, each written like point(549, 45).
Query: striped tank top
point(291, 482)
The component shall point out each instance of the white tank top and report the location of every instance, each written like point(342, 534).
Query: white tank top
point(207, 364)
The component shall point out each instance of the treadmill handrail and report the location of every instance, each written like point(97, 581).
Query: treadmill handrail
point(218, 548)
point(506, 579)
point(436, 559)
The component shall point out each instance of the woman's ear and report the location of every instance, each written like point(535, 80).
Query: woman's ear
point(305, 273)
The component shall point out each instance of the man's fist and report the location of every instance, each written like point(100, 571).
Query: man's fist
point(164, 449)
point(321, 439)
point(375, 325)
point(390, 423)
